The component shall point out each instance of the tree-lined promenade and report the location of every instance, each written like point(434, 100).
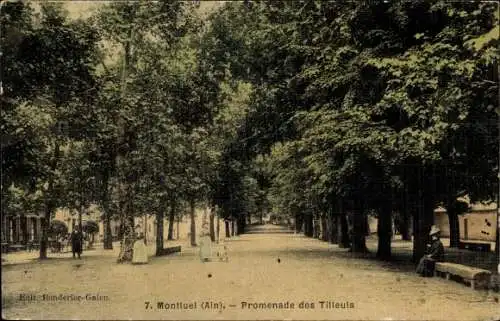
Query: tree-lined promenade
point(270, 275)
point(318, 111)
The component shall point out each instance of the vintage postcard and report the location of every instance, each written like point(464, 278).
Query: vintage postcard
point(250, 160)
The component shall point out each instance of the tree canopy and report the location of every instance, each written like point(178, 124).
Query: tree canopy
point(311, 110)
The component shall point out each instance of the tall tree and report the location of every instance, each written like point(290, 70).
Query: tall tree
point(146, 34)
point(58, 99)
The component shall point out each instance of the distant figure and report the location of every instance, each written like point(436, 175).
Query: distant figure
point(434, 253)
point(68, 240)
point(77, 242)
point(61, 242)
point(223, 256)
point(205, 243)
point(140, 254)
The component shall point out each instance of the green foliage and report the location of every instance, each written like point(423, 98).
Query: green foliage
point(349, 99)
point(48, 90)
point(289, 105)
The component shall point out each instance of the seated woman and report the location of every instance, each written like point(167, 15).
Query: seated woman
point(434, 253)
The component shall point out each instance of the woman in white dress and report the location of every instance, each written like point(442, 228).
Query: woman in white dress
point(205, 244)
point(140, 254)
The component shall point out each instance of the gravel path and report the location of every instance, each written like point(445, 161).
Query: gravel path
point(271, 274)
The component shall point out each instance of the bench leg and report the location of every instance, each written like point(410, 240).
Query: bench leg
point(447, 276)
point(473, 284)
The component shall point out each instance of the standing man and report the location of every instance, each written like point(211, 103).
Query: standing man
point(77, 242)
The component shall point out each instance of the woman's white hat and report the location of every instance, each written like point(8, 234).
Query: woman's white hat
point(434, 230)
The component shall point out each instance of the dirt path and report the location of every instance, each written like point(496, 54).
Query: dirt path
point(267, 266)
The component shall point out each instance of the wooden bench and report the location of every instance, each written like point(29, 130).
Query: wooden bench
point(475, 246)
point(473, 276)
point(169, 250)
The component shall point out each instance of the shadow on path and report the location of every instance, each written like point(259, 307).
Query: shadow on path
point(400, 261)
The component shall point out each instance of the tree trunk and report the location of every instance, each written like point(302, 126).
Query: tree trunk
point(423, 219)
point(233, 229)
point(497, 243)
point(316, 228)
point(24, 228)
point(145, 229)
point(80, 214)
point(329, 227)
point(309, 228)
point(454, 226)
point(121, 229)
point(193, 222)
point(159, 229)
point(241, 225)
point(128, 238)
point(171, 219)
point(384, 232)
point(325, 233)
point(358, 234)
point(334, 230)
point(366, 226)
point(127, 242)
point(7, 225)
point(131, 222)
point(218, 229)
point(343, 232)
point(212, 225)
point(298, 223)
point(404, 227)
point(108, 236)
point(49, 204)
point(44, 241)
point(178, 222)
point(308, 225)
point(226, 225)
point(404, 217)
